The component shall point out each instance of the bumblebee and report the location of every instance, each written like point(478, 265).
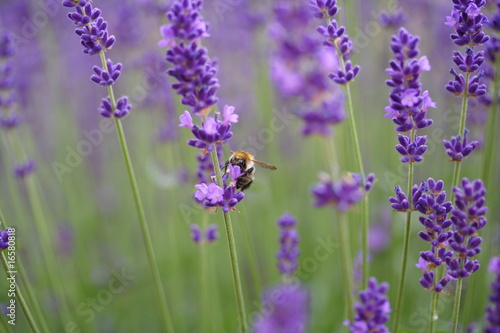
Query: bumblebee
point(247, 163)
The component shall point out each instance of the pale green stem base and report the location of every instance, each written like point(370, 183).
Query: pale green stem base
point(232, 252)
point(21, 300)
point(205, 292)
point(406, 246)
point(346, 259)
point(146, 237)
point(456, 306)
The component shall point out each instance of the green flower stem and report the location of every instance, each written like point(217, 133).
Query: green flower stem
point(456, 306)
point(456, 177)
point(232, 251)
point(433, 314)
point(435, 299)
point(20, 297)
point(346, 260)
point(48, 252)
point(463, 118)
point(146, 237)
point(205, 292)
point(42, 228)
point(359, 162)
point(4, 327)
point(490, 140)
point(27, 286)
point(406, 246)
point(21, 300)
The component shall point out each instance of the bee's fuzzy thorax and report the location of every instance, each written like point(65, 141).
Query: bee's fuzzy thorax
point(242, 154)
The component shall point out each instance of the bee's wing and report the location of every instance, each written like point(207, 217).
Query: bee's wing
point(265, 165)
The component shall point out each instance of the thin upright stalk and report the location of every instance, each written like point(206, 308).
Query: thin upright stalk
point(461, 130)
point(456, 306)
point(490, 141)
point(406, 246)
point(433, 312)
point(27, 286)
point(346, 260)
point(21, 299)
point(205, 292)
point(146, 237)
point(359, 162)
point(456, 177)
point(232, 251)
point(435, 299)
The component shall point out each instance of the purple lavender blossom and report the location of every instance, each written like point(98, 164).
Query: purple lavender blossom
point(213, 130)
point(458, 148)
point(467, 217)
point(212, 233)
point(106, 77)
point(4, 238)
point(335, 38)
point(121, 109)
point(379, 235)
point(192, 68)
point(94, 37)
point(392, 20)
point(468, 21)
point(210, 236)
point(8, 119)
point(411, 151)
point(298, 65)
point(433, 205)
point(493, 311)
point(401, 203)
point(196, 234)
point(214, 196)
point(408, 105)
point(289, 239)
point(372, 312)
point(290, 306)
point(342, 194)
point(23, 169)
point(91, 27)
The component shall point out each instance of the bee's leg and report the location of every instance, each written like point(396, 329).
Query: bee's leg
point(226, 165)
point(249, 171)
point(247, 185)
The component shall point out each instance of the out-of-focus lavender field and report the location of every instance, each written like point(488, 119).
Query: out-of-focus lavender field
point(108, 232)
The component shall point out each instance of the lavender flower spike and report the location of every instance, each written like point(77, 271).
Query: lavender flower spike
point(458, 148)
point(468, 21)
point(94, 37)
point(4, 238)
point(467, 217)
point(343, 194)
point(191, 67)
point(433, 205)
point(493, 311)
point(290, 310)
point(372, 312)
point(211, 234)
point(289, 239)
point(335, 37)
